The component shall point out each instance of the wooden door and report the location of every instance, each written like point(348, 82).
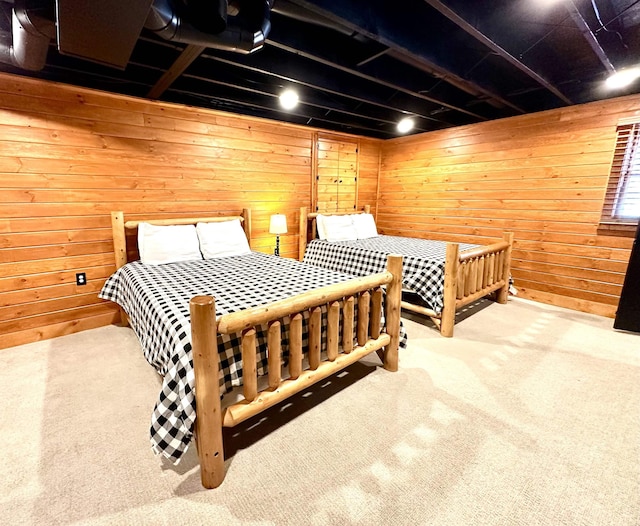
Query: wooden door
point(336, 175)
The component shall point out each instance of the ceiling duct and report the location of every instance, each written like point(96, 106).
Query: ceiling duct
point(208, 17)
point(235, 25)
point(243, 32)
point(32, 28)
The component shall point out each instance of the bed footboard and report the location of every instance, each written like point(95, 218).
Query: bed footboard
point(469, 276)
point(473, 274)
point(341, 350)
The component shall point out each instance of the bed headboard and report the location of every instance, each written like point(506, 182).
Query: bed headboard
point(308, 229)
point(120, 227)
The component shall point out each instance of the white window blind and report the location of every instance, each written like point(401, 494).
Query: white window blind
point(622, 199)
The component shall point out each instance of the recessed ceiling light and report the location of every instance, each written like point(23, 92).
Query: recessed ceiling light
point(622, 78)
point(288, 99)
point(405, 125)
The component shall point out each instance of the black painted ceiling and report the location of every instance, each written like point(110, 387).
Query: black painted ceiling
point(359, 66)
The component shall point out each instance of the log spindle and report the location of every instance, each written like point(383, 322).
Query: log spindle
point(249, 365)
point(347, 325)
point(480, 282)
point(315, 335)
point(363, 317)
point(274, 354)
point(295, 346)
point(376, 313)
point(473, 278)
point(333, 329)
point(492, 266)
point(467, 277)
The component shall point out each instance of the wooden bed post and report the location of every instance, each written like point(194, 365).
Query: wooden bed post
point(119, 238)
point(503, 293)
point(302, 234)
point(246, 223)
point(392, 312)
point(448, 316)
point(120, 251)
point(204, 351)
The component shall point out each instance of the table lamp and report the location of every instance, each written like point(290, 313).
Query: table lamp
point(277, 226)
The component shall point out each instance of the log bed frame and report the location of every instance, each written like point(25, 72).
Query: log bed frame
point(366, 291)
point(468, 275)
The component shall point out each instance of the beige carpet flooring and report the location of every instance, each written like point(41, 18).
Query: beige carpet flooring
point(530, 415)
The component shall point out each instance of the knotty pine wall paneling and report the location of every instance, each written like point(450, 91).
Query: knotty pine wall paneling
point(542, 176)
point(69, 156)
point(369, 169)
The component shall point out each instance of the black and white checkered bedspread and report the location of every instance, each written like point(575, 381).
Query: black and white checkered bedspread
point(422, 264)
point(156, 298)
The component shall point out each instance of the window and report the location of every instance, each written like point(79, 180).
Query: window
point(621, 209)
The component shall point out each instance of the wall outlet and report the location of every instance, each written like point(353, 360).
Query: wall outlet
point(81, 278)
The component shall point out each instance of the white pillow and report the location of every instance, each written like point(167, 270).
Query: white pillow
point(222, 239)
point(322, 234)
point(339, 228)
point(167, 244)
point(365, 225)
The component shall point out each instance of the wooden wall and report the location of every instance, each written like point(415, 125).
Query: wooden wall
point(369, 170)
point(542, 176)
point(69, 156)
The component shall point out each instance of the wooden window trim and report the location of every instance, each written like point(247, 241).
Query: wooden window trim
point(625, 167)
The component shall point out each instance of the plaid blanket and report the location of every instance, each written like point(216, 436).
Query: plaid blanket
point(156, 298)
point(422, 264)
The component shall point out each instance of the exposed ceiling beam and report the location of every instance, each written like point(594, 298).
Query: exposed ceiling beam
point(309, 103)
point(383, 23)
point(621, 13)
point(361, 57)
point(589, 36)
point(256, 95)
point(373, 57)
point(295, 11)
point(376, 80)
point(190, 53)
point(320, 83)
point(481, 37)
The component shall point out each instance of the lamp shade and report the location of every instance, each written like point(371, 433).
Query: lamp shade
point(278, 224)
